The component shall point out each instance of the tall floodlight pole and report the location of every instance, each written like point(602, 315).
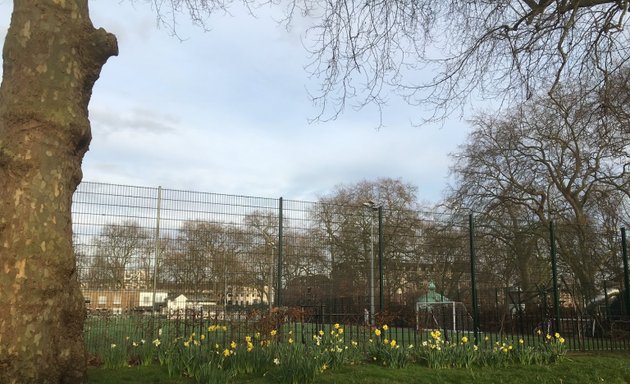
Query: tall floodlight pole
point(371, 269)
point(372, 207)
point(381, 244)
point(269, 294)
point(269, 243)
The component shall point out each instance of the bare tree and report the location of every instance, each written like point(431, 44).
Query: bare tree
point(202, 260)
point(362, 51)
point(119, 250)
point(349, 230)
point(304, 255)
point(510, 49)
point(261, 234)
point(53, 55)
point(51, 58)
point(443, 258)
point(555, 158)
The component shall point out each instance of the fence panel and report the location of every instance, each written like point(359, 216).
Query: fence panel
point(160, 262)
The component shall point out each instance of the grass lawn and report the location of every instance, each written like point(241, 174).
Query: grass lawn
point(576, 368)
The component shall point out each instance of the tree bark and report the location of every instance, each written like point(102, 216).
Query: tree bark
point(52, 57)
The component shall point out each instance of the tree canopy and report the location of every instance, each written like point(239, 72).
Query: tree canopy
point(362, 51)
point(445, 55)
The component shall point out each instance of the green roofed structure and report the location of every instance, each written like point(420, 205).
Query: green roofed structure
point(431, 297)
point(436, 311)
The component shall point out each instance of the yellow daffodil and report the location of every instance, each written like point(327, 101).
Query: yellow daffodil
point(233, 345)
point(274, 332)
point(393, 343)
point(464, 339)
point(227, 352)
point(336, 326)
point(377, 332)
point(385, 327)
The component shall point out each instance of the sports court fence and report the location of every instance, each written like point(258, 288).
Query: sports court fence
point(159, 260)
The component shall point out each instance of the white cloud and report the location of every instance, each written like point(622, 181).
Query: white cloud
point(226, 111)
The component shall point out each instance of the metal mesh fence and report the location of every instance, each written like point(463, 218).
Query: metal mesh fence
point(155, 260)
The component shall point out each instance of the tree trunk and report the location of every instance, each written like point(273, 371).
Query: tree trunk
point(52, 57)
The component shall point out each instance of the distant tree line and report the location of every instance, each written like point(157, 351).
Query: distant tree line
point(562, 158)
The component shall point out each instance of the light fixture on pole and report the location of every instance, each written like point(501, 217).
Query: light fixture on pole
point(372, 206)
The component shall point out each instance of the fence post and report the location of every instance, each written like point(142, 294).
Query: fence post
point(473, 276)
point(280, 253)
point(554, 275)
point(626, 279)
point(156, 250)
point(381, 251)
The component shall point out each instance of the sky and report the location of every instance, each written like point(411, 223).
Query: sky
point(228, 110)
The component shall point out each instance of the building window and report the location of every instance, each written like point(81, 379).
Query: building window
point(146, 301)
point(117, 300)
point(102, 300)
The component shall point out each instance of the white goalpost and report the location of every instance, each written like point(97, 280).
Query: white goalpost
point(443, 315)
point(436, 311)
